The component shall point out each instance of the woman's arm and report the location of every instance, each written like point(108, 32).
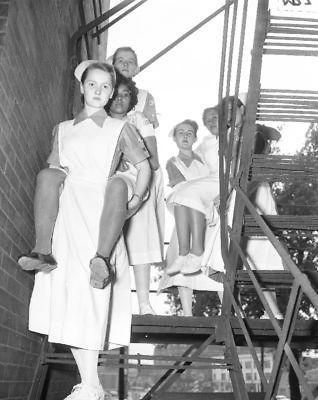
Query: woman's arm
point(143, 178)
point(54, 158)
point(174, 175)
point(151, 144)
point(133, 148)
point(148, 134)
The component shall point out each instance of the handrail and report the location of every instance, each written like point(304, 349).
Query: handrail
point(93, 24)
point(301, 278)
point(114, 21)
point(75, 44)
point(185, 35)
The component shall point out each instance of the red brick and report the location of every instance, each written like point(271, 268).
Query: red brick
point(4, 9)
point(4, 390)
point(33, 97)
point(19, 388)
point(4, 335)
point(3, 23)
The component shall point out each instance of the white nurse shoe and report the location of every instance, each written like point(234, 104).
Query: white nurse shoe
point(86, 392)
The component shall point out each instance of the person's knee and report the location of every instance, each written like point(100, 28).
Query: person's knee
point(117, 187)
point(50, 178)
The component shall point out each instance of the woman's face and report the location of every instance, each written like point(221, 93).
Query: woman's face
point(120, 104)
point(97, 88)
point(211, 121)
point(126, 63)
point(184, 136)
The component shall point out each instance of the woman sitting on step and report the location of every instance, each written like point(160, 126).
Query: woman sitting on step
point(184, 255)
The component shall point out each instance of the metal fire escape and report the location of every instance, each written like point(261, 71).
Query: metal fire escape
point(273, 35)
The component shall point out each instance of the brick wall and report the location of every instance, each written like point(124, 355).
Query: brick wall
point(34, 38)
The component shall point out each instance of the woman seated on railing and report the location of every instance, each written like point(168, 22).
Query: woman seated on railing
point(209, 151)
point(261, 254)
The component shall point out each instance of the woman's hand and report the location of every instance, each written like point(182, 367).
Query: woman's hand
point(134, 202)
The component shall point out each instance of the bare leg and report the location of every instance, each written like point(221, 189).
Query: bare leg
point(272, 302)
point(182, 220)
point(142, 279)
point(185, 294)
point(46, 205)
point(113, 216)
point(111, 224)
point(86, 361)
point(197, 226)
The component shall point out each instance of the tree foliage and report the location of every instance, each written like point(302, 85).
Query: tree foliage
point(301, 198)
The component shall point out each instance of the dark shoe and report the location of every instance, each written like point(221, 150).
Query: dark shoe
point(102, 272)
point(34, 261)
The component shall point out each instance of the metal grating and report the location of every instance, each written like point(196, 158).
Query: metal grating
point(292, 36)
point(282, 168)
point(288, 105)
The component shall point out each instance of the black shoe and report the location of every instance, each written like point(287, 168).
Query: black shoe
point(34, 261)
point(102, 272)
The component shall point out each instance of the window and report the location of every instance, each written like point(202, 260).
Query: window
point(248, 376)
point(248, 364)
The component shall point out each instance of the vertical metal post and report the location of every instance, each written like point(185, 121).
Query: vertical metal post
point(122, 377)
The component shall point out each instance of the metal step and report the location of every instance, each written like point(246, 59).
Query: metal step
point(191, 330)
point(272, 279)
point(205, 396)
point(282, 168)
point(295, 36)
point(280, 224)
point(287, 105)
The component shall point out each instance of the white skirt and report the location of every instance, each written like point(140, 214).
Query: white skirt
point(198, 194)
point(144, 231)
point(63, 304)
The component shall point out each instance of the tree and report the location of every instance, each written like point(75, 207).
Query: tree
point(301, 198)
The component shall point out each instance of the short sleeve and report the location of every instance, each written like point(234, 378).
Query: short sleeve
point(198, 150)
point(131, 145)
point(143, 125)
point(174, 175)
point(149, 111)
point(54, 158)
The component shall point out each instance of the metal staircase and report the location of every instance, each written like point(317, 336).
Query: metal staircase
point(273, 35)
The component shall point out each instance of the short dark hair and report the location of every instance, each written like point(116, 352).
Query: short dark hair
point(131, 85)
point(231, 100)
point(260, 143)
point(103, 67)
point(125, 48)
point(190, 122)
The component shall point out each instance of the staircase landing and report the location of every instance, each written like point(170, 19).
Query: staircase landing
point(190, 330)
